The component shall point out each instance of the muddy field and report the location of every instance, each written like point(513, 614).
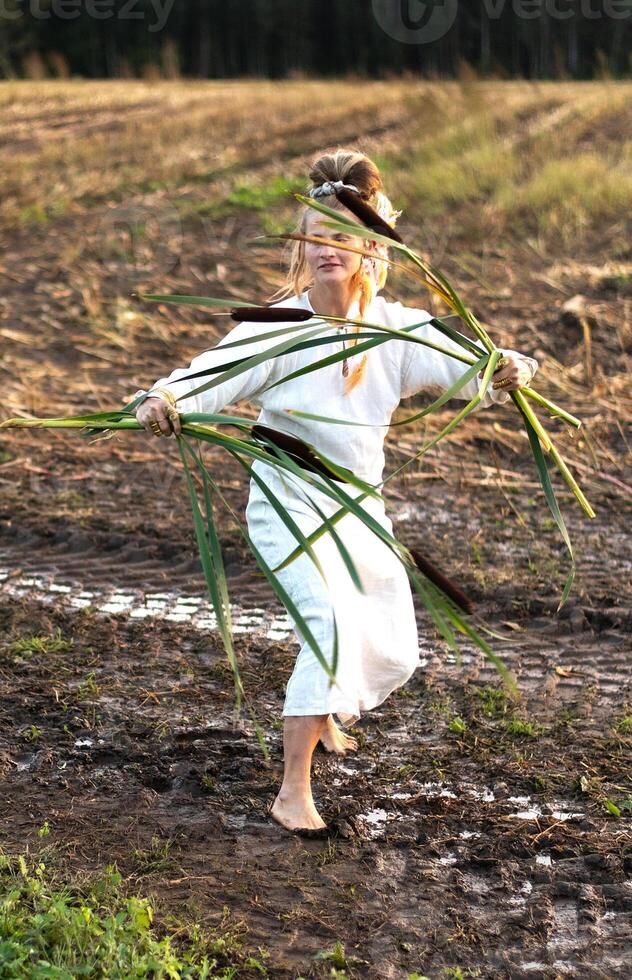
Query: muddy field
point(473, 832)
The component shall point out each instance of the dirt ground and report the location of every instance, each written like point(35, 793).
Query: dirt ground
point(474, 831)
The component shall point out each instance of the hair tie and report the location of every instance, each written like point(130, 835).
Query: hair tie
point(329, 187)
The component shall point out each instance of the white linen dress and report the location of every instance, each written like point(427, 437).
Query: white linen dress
point(377, 632)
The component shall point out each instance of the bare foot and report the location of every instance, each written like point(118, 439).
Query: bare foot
point(296, 811)
point(336, 740)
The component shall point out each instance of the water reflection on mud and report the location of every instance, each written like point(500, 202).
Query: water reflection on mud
point(404, 809)
point(193, 610)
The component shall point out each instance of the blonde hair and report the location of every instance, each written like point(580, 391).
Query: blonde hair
point(351, 167)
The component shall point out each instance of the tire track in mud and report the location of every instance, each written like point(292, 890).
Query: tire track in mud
point(138, 588)
point(578, 657)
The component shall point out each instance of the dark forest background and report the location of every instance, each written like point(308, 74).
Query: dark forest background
point(286, 38)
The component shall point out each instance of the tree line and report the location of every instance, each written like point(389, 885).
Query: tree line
point(285, 38)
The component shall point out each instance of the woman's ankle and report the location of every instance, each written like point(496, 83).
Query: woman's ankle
point(293, 791)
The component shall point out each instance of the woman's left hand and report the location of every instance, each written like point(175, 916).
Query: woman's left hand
point(513, 371)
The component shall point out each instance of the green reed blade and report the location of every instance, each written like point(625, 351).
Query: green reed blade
point(213, 574)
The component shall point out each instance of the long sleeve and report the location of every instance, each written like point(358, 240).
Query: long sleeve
point(423, 367)
point(244, 385)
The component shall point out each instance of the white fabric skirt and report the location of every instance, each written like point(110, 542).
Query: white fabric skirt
point(378, 647)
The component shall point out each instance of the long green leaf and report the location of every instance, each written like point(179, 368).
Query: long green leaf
point(283, 513)
point(456, 335)
point(217, 591)
point(286, 599)
point(328, 526)
point(206, 301)
point(551, 500)
point(429, 409)
point(554, 410)
point(471, 405)
point(219, 571)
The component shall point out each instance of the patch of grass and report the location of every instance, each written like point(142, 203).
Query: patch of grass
point(565, 718)
point(40, 215)
point(441, 707)
point(495, 704)
point(161, 730)
point(611, 807)
point(156, 858)
point(33, 733)
point(90, 926)
point(188, 209)
point(570, 192)
point(517, 726)
point(540, 783)
point(457, 725)
point(37, 645)
point(456, 973)
point(32, 214)
point(208, 782)
point(88, 688)
point(258, 197)
point(624, 725)
point(469, 163)
point(247, 195)
point(476, 554)
point(337, 957)
point(326, 856)
point(494, 701)
point(273, 225)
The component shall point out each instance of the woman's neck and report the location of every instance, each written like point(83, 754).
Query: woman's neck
point(331, 301)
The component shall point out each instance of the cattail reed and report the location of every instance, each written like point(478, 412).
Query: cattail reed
point(366, 214)
point(302, 453)
point(445, 584)
point(269, 314)
point(296, 448)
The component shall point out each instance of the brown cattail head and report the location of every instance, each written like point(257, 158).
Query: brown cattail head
point(366, 214)
point(303, 454)
point(270, 314)
point(300, 451)
point(442, 582)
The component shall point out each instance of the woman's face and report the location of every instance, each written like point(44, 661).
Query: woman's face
point(328, 264)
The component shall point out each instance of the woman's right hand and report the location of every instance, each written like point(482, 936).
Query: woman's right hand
point(157, 410)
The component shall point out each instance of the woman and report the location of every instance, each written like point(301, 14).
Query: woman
point(377, 633)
